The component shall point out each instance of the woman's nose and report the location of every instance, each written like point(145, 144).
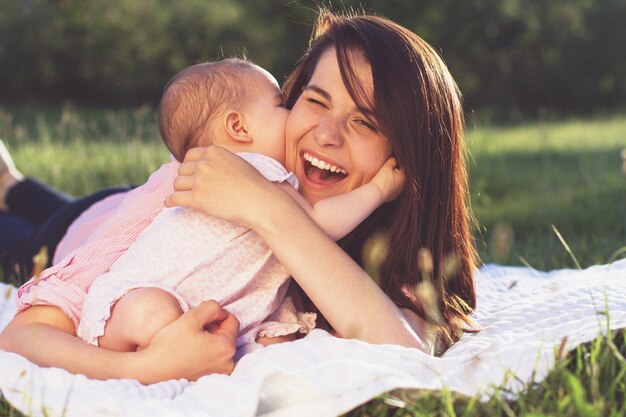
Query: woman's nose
point(329, 133)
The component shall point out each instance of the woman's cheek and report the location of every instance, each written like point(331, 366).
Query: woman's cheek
point(295, 125)
point(373, 159)
point(292, 138)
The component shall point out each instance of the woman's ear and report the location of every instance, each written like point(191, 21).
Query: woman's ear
point(236, 127)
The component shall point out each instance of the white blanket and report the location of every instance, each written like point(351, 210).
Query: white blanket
point(525, 313)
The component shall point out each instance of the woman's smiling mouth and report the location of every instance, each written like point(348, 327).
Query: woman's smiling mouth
point(322, 172)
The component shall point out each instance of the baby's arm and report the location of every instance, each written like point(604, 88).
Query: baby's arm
point(339, 215)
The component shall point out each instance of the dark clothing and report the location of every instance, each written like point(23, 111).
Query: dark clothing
point(38, 216)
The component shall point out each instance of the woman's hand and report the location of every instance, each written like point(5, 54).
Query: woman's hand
point(200, 342)
point(390, 180)
point(218, 182)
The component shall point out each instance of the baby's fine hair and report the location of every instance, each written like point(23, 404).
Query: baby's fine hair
point(194, 97)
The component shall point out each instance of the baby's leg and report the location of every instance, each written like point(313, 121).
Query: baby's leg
point(136, 317)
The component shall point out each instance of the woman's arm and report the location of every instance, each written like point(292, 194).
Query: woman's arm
point(183, 349)
point(349, 299)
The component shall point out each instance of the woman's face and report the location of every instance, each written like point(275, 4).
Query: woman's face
point(332, 146)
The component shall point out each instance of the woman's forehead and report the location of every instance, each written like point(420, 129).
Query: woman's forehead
point(358, 84)
point(328, 69)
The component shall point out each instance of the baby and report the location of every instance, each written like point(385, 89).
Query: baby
point(185, 257)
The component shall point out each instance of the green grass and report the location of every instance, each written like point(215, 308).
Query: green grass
point(569, 174)
point(79, 152)
point(524, 178)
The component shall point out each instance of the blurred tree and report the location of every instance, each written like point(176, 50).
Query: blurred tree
point(514, 57)
point(123, 51)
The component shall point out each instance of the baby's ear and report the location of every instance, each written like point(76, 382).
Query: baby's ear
point(236, 127)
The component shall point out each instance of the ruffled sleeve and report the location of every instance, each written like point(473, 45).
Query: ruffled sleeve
point(285, 320)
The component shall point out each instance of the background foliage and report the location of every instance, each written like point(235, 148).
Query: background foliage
point(511, 57)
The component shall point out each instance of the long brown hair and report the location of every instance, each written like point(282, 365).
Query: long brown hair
point(418, 108)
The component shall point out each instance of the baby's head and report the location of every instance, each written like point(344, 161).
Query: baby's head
point(232, 103)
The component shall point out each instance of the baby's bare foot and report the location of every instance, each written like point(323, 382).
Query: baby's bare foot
point(9, 175)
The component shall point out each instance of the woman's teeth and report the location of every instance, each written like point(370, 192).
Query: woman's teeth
point(323, 165)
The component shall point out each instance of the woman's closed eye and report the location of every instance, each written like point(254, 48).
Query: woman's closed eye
point(370, 126)
point(317, 102)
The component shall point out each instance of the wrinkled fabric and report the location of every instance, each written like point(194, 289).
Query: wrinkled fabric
point(525, 314)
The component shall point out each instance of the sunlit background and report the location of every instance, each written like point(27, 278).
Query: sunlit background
point(511, 57)
point(544, 86)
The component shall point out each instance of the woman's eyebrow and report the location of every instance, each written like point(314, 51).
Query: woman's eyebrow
point(366, 112)
point(319, 91)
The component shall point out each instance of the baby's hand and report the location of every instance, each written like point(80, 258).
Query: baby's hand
point(390, 180)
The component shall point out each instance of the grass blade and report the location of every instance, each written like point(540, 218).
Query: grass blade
point(566, 246)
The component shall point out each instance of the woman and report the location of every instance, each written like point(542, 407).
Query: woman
point(367, 88)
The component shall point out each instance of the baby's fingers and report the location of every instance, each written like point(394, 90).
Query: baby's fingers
point(399, 176)
point(390, 163)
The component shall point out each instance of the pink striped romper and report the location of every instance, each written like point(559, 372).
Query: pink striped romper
point(191, 255)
